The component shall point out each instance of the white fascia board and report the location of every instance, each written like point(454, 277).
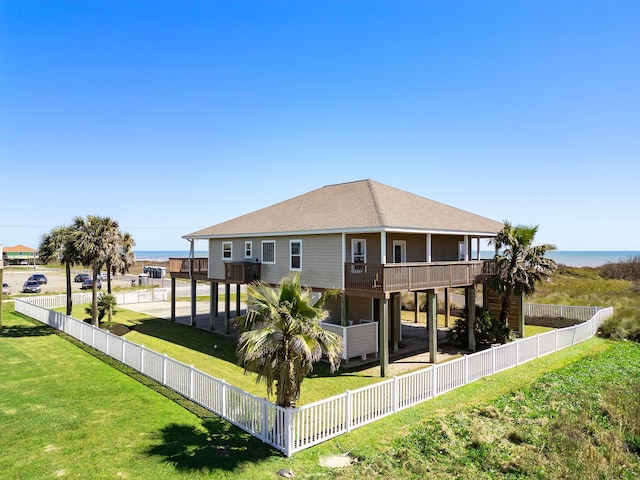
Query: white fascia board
point(341, 231)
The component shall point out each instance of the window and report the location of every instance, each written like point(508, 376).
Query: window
point(461, 251)
point(248, 249)
point(399, 251)
point(227, 250)
point(295, 247)
point(269, 251)
point(358, 251)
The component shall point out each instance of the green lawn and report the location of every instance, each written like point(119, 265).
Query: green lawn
point(67, 414)
point(216, 355)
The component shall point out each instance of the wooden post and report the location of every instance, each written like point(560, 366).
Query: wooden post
point(344, 310)
point(227, 306)
point(212, 301)
point(416, 307)
point(194, 292)
point(470, 302)
point(395, 320)
point(173, 299)
point(432, 322)
point(217, 298)
point(237, 299)
point(383, 337)
point(447, 307)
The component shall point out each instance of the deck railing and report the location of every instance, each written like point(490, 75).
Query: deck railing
point(181, 265)
point(241, 272)
point(398, 277)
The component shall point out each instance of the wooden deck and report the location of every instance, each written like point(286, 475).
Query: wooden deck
point(364, 279)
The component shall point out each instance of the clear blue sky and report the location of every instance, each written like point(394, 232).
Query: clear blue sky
point(171, 116)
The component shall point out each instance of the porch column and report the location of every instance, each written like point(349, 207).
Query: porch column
point(470, 302)
point(394, 319)
point(173, 299)
point(432, 323)
point(416, 307)
point(212, 302)
point(466, 248)
point(477, 248)
point(383, 247)
point(194, 292)
point(344, 310)
point(216, 297)
point(383, 337)
point(237, 299)
point(428, 247)
point(447, 307)
point(227, 306)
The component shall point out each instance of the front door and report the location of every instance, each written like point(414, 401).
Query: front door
point(399, 251)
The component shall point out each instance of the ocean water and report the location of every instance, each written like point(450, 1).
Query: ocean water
point(577, 258)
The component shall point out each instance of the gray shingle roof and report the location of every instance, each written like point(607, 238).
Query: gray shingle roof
point(362, 205)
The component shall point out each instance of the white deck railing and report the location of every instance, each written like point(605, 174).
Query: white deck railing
point(292, 430)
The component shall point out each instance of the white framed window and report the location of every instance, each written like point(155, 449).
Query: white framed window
point(269, 251)
point(227, 250)
point(248, 249)
point(295, 255)
point(358, 250)
point(461, 251)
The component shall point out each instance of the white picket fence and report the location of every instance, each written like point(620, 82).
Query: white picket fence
point(540, 310)
point(293, 430)
point(123, 298)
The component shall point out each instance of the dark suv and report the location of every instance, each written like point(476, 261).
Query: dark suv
point(38, 277)
point(87, 284)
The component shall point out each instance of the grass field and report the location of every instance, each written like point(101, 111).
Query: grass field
point(67, 414)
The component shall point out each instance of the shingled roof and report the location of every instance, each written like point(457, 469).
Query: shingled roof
point(364, 205)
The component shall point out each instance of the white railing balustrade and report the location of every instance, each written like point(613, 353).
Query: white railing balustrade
point(293, 429)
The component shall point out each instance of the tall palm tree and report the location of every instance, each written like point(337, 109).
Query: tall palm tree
point(94, 238)
point(520, 265)
point(121, 258)
point(282, 338)
point(58, 246)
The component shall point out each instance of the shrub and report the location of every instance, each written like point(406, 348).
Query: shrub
point(106, 305)
point(488, 329)
point(628, 269)
point(624, 324)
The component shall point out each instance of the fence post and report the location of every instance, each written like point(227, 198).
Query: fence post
point(556, 348)
point(287, 432)
point(223, 398)
point(433, 382)
point(517, 353)
point(141, 358)
point(466, 369)
point(164, 369)
point(394, 394)
point(538, 345)
point(493, 359)
point(123, 344)
point(347, 410)
point(264, 425)
point(191, 381)
point(106, 344)
point(93, 336)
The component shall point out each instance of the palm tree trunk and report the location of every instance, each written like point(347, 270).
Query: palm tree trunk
point(94, 300)
point(505, 307)
point(69, 295)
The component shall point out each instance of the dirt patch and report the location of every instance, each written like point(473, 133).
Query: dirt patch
point(116, 329)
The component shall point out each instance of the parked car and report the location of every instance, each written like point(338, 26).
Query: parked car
point(104, 276)
point(6, 290)
point(38, 277)
point(87, 284)
point(81, 277)
point(31, 286)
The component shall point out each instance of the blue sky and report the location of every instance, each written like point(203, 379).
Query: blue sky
point(171, 116)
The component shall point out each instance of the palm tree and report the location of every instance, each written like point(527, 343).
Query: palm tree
point(121, 258)
point(58, 246)
point(282, 338)
point(520, 265)
point(94, 238)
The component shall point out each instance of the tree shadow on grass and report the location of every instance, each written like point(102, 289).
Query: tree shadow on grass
point(17, 331)
point(218, 445)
